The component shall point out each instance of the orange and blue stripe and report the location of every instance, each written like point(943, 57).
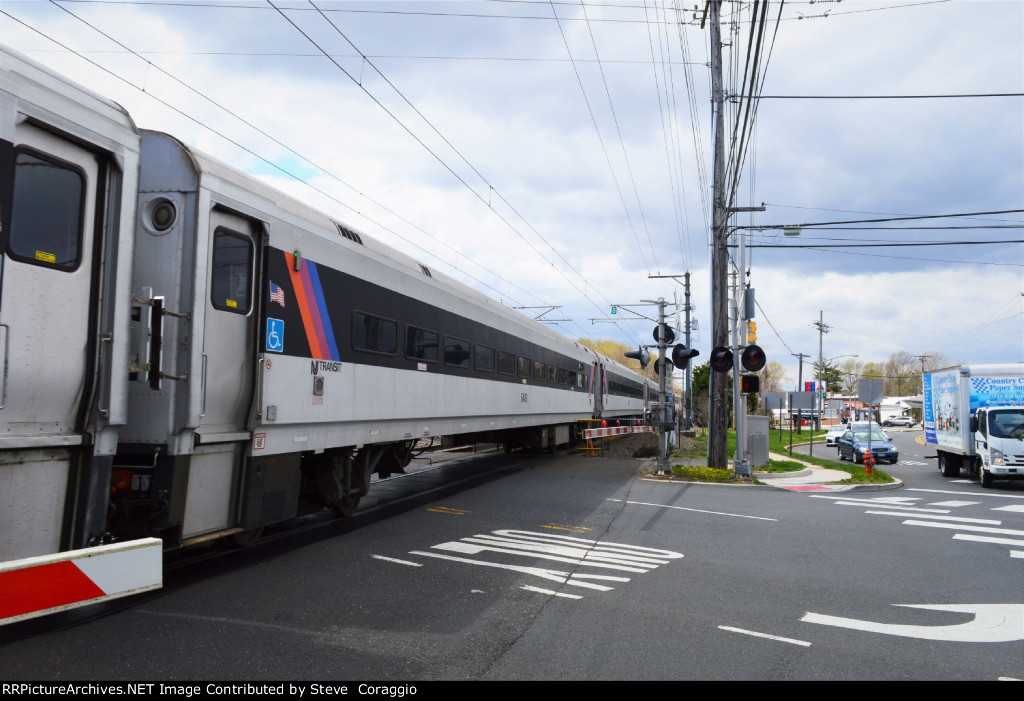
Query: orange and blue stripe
point(316, 320)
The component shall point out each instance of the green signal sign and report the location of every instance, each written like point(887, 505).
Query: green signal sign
point(615, 310)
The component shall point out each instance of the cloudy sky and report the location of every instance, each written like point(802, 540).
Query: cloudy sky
point(558, 155)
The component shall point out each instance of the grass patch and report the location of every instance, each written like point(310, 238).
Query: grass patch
point(779, 444)
point(702, 474)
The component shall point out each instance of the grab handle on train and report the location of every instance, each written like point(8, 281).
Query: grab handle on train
point(5, 346)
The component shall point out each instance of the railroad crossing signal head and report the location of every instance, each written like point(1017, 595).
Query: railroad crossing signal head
point(666, 332)
point(752, 358)
point(750, 384)
point(721, 359)
point(640, 354)
point(681, 355)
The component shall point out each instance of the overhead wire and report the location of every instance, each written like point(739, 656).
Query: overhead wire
point(618, 130)
point(281, 169)
point(408, 130)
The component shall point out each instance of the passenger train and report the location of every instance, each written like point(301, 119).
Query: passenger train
point(189, 354)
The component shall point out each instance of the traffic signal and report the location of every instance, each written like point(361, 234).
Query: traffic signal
point(640, 354)
point(666, 332)
point(753, 358)
point(681, 355)
point(750, 384)
point(721, 359)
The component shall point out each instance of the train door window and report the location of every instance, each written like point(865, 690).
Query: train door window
point(524, 367)
point(46, 212)
point(483, 358)
point(538, 370)
point(232, 272)
point(456, 352)
point(420, 344)
point(572, 378)
point(374, 334)
point(506, 363)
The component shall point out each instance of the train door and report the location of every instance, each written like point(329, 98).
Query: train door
point(227, 374)
point(596, 387)
point(47, 294)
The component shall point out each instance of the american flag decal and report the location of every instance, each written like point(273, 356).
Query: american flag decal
point(276, 294)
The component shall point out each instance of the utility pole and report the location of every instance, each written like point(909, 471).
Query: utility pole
point(689, 393)
point(799, 381)
point(718, 406)
point(823, 328)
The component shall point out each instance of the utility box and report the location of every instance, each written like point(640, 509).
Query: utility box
point(757, 440)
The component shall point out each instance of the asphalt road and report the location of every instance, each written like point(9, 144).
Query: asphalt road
point(528, 567)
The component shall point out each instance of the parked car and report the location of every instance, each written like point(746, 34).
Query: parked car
point(856, 441)
point(833, 434)
point(908, 421)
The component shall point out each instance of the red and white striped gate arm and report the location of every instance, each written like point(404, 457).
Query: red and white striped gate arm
point(616, 431)
point(37, 586)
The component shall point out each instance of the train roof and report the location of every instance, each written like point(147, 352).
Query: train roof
point(60, 103)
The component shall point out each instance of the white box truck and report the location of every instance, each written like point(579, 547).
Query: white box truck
point(974, 415)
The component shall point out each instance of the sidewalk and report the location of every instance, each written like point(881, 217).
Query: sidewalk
point(815, 479)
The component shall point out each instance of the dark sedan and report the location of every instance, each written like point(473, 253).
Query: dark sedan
point(853, 445)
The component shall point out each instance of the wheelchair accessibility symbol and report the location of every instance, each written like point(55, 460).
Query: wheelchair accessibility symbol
point(275, 335)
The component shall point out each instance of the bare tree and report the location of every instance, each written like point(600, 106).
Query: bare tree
point(902, 374)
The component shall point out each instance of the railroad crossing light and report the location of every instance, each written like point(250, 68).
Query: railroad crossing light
point(753, 358)
point(681, 355)
point(721, 359)
point(663, 362)
point(640, 354)
point(751, 331)
point(750, 384)
point(666, 332)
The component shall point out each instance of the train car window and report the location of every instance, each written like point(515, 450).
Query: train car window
point(232, 272)
point(579, 380)
point(483, 358)
point(572, 378)
point(506, 363)
point(46, 212)
point(551, 373)
point(374, 334)
point(538, 370)
point(524, 367)
point(420, 344)
point(456, 352)
point(563, 376)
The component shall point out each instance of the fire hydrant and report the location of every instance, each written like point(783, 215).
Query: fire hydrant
point(869, 462)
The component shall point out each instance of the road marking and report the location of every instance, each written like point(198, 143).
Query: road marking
point(530, 587)
point(876, 500)
point(448, 510)
point(975, 529)
point(397, 561)
point(992, 623)
point(911, 462)
point(700, 511)
point(967, 494)
point(904, 509)
point(958, 519)
point(1017, 554)
point(553, 575)
point(577, 552)
point(954, 503)
point(1019, 508)
point(987, 539)
point(765, 635)
point(571, 529)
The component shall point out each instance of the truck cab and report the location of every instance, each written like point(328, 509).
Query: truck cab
point(999, 442)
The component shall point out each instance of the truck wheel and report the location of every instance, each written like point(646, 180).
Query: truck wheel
point(986, 477)
point(948, 466)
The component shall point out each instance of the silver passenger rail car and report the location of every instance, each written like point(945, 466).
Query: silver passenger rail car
point(298, 356)
point(69, 162)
